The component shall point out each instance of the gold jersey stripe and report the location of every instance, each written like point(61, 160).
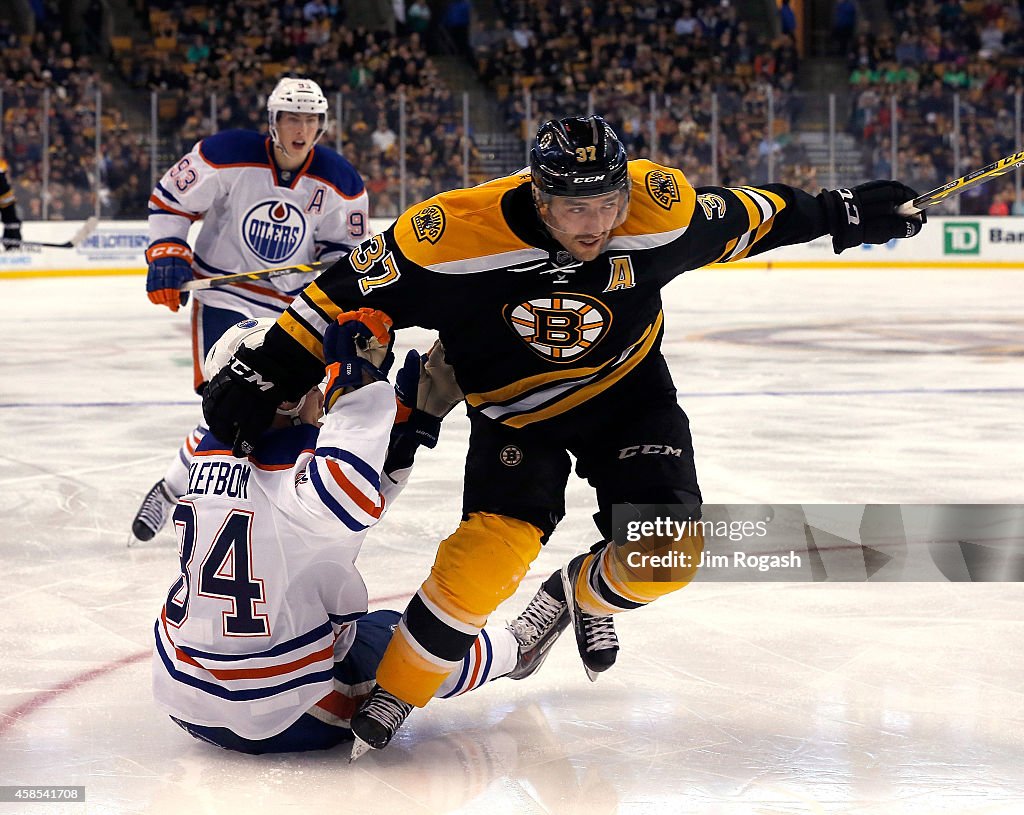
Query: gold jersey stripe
point(728, 248)
point(778, 201)
point(522, 387)
point(762, 230)
point(753, 210)
point(322, 301)
point(302, 335)
point(590, 391)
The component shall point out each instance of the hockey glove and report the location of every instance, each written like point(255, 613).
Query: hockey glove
point(170, 265)
point(427, 392)
point(357, 350)
point(12, 234)
point(867, 214)
point(240, 402)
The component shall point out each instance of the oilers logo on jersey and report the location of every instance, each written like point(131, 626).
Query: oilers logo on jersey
point(274, 230)
point(561, 328)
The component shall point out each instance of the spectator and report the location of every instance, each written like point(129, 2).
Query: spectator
point(844, 25)
point(383, 138)
point(418, 17)
point(787, 19)
point(456, 23)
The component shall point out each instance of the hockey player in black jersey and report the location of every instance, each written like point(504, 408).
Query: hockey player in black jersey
point(546, 291)
point(8, 211)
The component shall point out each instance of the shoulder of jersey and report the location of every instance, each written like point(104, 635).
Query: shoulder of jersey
point(3, 165)
point(661, 200)
point(334, 169)
point(235, 148)
point(464, 231)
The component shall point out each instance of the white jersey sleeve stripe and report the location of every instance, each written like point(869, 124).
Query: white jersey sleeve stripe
point(329, 501)
point(168, 209)
point(360, 466)
point(371, 506)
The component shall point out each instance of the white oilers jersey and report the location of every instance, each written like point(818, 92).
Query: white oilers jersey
point(256, 216)
point(262, 609)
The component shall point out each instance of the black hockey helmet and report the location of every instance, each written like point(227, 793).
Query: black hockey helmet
point(578, 156)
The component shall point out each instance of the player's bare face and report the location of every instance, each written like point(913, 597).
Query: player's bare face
point(296, 132)
point(584, 225)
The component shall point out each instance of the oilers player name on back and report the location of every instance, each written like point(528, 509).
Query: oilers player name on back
point(219, 478)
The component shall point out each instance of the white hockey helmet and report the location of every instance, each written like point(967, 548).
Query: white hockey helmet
point(297, 96)
point(251, 334)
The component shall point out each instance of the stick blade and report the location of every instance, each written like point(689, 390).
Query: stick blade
point(85, 231)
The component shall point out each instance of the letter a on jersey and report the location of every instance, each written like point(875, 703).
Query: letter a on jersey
point(622, 274)
point(562, 327)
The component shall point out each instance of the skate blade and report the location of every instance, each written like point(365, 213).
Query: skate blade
point(359, 748)
point(591, 675)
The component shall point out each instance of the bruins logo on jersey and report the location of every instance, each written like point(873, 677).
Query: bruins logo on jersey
point(562, 327)
point(664, 189)
point(429, 224)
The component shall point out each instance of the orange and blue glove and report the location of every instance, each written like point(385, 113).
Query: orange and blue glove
point(170, 266)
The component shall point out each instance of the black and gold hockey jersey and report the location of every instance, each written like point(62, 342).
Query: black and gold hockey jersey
point(8, 210)
point(531, 331)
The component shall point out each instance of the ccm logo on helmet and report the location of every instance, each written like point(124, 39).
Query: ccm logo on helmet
point(650, 450)
point(249, 375)
point(589, 179)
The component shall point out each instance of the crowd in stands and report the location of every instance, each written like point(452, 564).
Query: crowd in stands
point(653, 69)
point(46, 61)
point(969, 52)
point(616, 56)
point(234, 57)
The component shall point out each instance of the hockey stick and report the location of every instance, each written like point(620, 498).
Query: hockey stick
point(262, 274)
point(84, 232)
point(994, 170)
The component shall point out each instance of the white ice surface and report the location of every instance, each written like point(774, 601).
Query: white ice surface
point(730, 698)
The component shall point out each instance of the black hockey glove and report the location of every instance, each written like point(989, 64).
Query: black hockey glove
point(240, 402)
point(426, 391)
point(867, 214)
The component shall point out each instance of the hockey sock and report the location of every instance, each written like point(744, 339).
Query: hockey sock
point(493, 655)
point(618, 578)
point(477, 567)
point(176, 477)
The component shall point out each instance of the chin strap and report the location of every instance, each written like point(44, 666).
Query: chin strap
point(293, 413)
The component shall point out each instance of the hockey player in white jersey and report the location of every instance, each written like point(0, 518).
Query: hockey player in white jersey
point(264, 643)
point(263, 201)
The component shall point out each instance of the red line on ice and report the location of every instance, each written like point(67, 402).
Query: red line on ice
point(10, 718)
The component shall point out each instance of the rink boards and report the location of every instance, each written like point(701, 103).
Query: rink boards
point(117, 247)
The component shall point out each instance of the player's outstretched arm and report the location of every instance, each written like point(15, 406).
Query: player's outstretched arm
point(344, 475)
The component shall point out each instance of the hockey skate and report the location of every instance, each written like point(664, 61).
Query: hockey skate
point(152, 514)
point(538, 626)
point(377, 721)
point(595, 635)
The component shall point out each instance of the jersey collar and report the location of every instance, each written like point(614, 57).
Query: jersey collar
point(522, 218)
point(280, 179)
